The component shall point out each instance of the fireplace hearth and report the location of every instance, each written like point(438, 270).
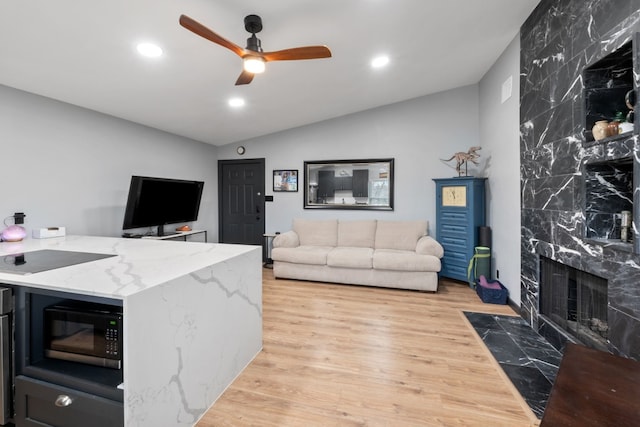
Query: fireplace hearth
point(575, 301)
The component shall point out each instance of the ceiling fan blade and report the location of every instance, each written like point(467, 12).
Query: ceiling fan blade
point(245, 78)
point(308, 52)
point(199, 29)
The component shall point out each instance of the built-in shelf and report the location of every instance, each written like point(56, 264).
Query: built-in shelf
point(609, 94)
point(612, 243)
point(608, 192)
point(606, 85)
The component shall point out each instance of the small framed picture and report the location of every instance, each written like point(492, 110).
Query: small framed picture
point(285, 180)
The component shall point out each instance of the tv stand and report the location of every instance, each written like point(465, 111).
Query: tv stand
point(182, 235)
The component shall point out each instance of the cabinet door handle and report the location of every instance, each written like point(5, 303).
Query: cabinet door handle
point(63, 400)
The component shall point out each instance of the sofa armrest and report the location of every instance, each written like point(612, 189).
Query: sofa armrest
point(427, 245)
point(286, 240)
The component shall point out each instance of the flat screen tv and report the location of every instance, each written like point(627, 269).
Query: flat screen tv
point(155, 202)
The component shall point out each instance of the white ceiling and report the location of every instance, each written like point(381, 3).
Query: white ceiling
point(83, 53)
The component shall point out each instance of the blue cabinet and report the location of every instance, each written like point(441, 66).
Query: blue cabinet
point(460, 210)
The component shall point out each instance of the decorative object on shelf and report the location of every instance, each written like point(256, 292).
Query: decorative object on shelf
point(612, 128)
point(285, 180)
point(15, 232)
point(630, 102)
point(630, 99)
point(463, 158)
point(625, 224)
point(600, 130)
point(625, 127)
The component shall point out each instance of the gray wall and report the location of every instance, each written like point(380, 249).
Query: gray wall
point(67, 166)
point(500, 136)
point(416, 133)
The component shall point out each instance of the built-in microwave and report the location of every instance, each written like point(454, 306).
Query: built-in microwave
point(85, 333)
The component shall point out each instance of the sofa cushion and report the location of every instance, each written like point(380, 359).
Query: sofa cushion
point(316, 255)
point(393, 259)
point(357, 234)
point(350, 257)
point(316, 232)
point(400, 235)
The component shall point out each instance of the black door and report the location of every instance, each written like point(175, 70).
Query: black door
point(241, 201)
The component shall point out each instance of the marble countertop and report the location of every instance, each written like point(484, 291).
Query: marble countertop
point(139, 264)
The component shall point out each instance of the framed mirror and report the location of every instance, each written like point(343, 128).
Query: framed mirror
point(349, 184)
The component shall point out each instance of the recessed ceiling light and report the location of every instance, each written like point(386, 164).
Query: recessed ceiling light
point(149, 50)
point(236, 102)
point(380, 61)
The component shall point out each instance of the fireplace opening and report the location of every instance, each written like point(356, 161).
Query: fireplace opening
point(575, 301)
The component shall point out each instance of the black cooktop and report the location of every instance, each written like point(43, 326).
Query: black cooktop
point(43, 260)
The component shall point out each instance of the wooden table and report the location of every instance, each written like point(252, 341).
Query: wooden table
point(594, 388)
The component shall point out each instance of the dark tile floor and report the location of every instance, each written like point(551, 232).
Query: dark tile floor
point(525, 356)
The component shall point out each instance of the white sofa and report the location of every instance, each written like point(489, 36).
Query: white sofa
point(393, 254)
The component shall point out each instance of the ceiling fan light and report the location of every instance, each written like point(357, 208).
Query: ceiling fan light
point(253, 64)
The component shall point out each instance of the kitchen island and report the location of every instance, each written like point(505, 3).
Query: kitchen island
point(192, 316)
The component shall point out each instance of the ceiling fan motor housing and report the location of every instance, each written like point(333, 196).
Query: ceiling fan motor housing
point(253, 23)
point(254, 43)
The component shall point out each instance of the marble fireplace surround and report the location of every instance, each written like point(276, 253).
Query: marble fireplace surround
point(556, 160)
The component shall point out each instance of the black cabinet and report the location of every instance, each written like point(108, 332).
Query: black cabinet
point(39, 403)
point(326, 184)
point(329, 183)
point(342, 183)
point(360, 185)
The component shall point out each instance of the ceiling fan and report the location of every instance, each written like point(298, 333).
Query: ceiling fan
point(253, 57)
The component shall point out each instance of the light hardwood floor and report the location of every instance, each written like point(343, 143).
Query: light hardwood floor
point(339, 355)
